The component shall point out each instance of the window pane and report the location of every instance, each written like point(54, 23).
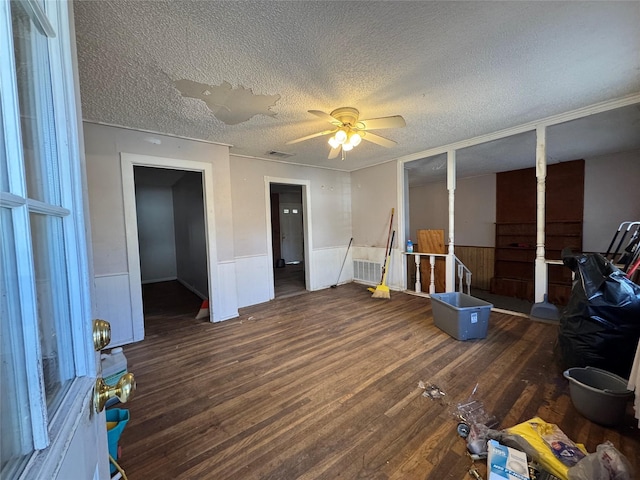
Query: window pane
point(36, 107)
point(16, 441)
point(53, 305)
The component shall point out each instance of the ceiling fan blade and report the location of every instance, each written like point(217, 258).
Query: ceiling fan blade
point(378, 140)
point(395, 121)
point(334, 152)
point(326, 116)
point(313, 135)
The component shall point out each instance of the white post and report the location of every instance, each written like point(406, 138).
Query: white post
point(418, 284)
point(432, 278)
point(541, 174)
point(451, 186)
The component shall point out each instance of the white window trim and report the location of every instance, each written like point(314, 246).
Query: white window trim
point(51, 436)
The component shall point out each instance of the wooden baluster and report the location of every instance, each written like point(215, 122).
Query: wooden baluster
point(418, 283)
point(432, 284)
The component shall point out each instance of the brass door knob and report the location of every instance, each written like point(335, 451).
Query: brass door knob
point(101, 334)
point(124, 390)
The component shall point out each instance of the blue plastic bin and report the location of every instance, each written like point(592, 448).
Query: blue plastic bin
point(460, 315)
point(120, 417)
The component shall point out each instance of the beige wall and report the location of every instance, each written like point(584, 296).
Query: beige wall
point(611, 196)
point(475, 210)
point(330, 203)
point(375, 193)
point(103, 146)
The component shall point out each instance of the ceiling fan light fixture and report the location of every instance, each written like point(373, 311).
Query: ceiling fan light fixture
point(348, 132)
point(341, 136)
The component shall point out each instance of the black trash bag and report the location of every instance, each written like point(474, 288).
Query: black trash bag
point(600, 326)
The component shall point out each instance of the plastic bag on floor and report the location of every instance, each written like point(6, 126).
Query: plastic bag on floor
point(607, 463)
point(552, 448)
point(600, 326)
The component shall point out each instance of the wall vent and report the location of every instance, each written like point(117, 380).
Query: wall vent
point(275, 153)
point(367, 271)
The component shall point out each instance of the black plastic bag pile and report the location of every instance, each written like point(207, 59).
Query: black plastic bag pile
point(600, 326)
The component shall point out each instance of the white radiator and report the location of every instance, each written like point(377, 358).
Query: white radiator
point(367, 271)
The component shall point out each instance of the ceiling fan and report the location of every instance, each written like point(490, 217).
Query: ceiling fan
point(348, 131)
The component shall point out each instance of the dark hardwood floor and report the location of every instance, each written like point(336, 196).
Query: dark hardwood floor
point(325, 386)
point(289, 280)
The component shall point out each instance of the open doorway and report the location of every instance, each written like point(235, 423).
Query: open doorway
point(171, 240)
point(129, 323)
point(287, 239)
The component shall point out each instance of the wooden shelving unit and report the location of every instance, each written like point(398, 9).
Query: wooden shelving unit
point(515, 246)
point(516, 252)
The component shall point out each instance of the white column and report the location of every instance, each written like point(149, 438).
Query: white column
point(541, 175)
point(418, 280)
point(451, 186)
point(432, 278)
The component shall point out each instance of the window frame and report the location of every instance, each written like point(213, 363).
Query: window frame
point(51, 433)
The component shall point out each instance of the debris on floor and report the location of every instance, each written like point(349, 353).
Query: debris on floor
point(474, 473)
point(430, 390)
point(547, 452)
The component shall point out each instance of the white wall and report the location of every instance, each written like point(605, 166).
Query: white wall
point(611, 196)
point(190, 235)
point(330, 224)
point(475, 210)
point(154, 206)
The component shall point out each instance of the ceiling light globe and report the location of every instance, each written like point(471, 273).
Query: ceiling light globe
point(355, 139)
point(341, 136)
point(333, 142)
point(347, 146)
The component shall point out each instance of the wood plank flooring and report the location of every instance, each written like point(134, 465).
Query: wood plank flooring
point(325, 386)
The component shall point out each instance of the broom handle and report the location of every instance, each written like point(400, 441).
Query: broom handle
point(387, 246)
point(387, 260)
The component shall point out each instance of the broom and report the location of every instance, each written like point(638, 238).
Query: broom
point(371, 289)
point(382, 291)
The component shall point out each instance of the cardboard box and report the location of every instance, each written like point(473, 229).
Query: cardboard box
point(504, 463)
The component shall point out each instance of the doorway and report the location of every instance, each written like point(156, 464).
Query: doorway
point(130, 324)
point(287, 239)
point(171, 239)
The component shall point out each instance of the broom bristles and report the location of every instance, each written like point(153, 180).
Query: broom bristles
point(382, 291)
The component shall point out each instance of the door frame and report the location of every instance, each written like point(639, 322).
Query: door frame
point(306, 225)
point(128, 162)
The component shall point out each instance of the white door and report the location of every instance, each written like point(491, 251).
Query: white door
point(291, 232)
point(48, 363)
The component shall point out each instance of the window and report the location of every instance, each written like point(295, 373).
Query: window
point(43, 342)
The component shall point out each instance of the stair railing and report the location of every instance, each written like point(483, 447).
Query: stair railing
point(464, 274)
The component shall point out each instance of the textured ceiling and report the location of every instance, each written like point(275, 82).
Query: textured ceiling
point(246, 73)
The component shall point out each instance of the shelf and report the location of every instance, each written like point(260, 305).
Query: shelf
point(516, 228)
